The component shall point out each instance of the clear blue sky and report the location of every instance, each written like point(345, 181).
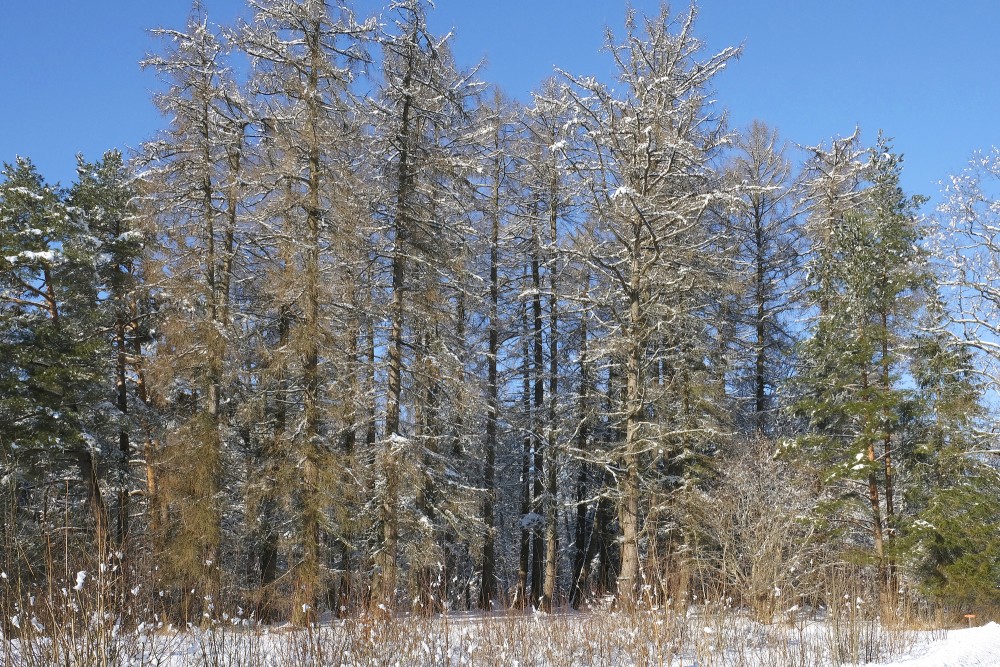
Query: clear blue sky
point(924, 71)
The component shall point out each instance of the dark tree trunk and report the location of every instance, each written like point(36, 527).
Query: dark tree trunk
point(538, 461)
point(487, 588)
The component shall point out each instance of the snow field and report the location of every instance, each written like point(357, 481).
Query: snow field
point(704, 638)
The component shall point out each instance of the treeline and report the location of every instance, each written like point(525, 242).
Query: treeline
point(356, 332)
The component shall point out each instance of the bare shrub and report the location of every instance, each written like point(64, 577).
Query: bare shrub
point(758, 548)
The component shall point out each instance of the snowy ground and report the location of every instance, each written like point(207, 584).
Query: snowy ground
point(533, 640)
point(973, 647)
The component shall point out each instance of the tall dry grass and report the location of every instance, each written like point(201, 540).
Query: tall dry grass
point(80, 624)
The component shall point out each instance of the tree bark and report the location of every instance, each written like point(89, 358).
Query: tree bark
point(628, 512)
point(487, 588)
point(538, 461)
point(552, 477)
point(387, 565)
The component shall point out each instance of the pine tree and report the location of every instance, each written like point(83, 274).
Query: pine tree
point(871, 280)
point(52, 369)
point(104, 201)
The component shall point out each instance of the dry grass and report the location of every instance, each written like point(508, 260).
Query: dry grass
point(71, 627)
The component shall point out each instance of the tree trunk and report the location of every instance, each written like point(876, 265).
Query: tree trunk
point(887, 463)
point(628, 512)
point(538, 463)
point(387, 565)
point(552, 478)
point(873, 499)
point(124, 446)
point(524, 551)
point(578, 584)
point(95, 503)
point(487, 588)
point(760, 361)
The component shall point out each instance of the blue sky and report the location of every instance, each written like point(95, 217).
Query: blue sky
point(923, 71)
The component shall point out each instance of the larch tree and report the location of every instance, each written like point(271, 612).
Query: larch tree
point(305, 56)
point(761, 227)
point(591, 524)
point(190, 177)
point(425, 139)
point(528, 268)
point(497, 200)
point(548, 197)
point(644, 153)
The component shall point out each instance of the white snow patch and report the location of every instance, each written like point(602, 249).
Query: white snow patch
point(972, 647)
point(623, 191)
point(532, 521)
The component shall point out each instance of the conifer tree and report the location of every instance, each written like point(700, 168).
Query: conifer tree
point(949, 486)
point(545, 228)
point(954, 556)
point(497, 201)
point(425, 141)
point(643, 154)
point(52, 372)
point(763, 237)
point(103, 200)
point(305, 55)
point(870, 279)
point(191, 174)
